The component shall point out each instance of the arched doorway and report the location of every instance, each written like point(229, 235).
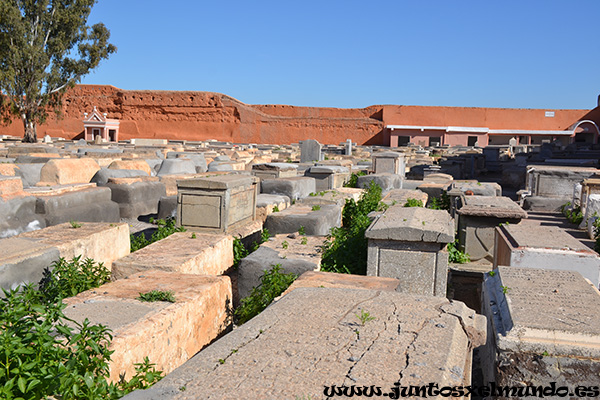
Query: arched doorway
point(586, 132)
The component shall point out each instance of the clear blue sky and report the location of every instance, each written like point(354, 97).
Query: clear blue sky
point(476, 53)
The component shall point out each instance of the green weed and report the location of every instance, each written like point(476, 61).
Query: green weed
point(272, 284)
point(157, 295)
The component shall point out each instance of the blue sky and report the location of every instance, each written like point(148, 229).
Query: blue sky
point(476, 53)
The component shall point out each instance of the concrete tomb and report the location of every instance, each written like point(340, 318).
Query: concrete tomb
point(409, 244)
point(216, 204)
point(478, 217)
point(136, 196)
point(389, 162)
point(274, 170)
point(549, 247)
point(328, 177)
point(543, 326)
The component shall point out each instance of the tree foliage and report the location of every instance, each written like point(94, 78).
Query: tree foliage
point(46, 47)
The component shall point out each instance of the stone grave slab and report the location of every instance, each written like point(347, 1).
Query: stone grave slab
point(548, 247)
point(167, 333)
point(321, 279)
point(337, 196)
point(543, 326)
point(182, 252)
point(266, 203)
point(310, 151)
point(275, 170)
point(79, 202)
point(68, 171)
point(138, 165)
point(385, 181)
point(316, 222)
point(308, 340)
point(136, 196)
point(401, 196)
point(294, 188)
point(101, 241)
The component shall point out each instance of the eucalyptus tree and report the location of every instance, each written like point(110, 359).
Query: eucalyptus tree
point(46, 47)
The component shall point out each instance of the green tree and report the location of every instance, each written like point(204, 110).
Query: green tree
point(45, 48)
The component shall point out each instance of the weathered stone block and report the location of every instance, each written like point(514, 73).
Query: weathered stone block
point(322, 279)
point(68, 171)
point(328, 177)
point(203, 255)
point(315, 222)
point(217, 204)
point(75, 203)
point(136, 196)
point(309, 328)
point(102, 242)
point(167, 333)
point(136, 165)
point(401, 196)
point(294, 188)
point(274, 170)
point(22, 261)
point(385, 181)
point(266, 203)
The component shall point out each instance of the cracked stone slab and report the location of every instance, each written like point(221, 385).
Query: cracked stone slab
point(313, 337)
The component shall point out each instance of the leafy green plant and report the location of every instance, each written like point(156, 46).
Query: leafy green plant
point(573, 214)
point(413, 203)
point(164, 229)
point(440, 203)
point(505, 289)
point(304, 240)
point(41, 355)
point(285, 244)
point(345, 249)
point(302, 230)
point(69, 278)
point(492, 273)
point(239, 252)
point(364, 317)
point(353, 181)
point(75, 224)
point(157, 295)
point(455, 255)
point(316, 207)
point(275, 209)
point(272, 284)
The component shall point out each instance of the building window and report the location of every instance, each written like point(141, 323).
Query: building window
point(435, 141)
point(471, 140)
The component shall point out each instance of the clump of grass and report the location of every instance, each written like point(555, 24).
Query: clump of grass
point(157, 295)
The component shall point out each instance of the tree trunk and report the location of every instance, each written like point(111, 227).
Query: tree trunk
point(30, 130)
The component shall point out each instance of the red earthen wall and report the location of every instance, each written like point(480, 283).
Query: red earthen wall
point(204, 115)
point(187, 115)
